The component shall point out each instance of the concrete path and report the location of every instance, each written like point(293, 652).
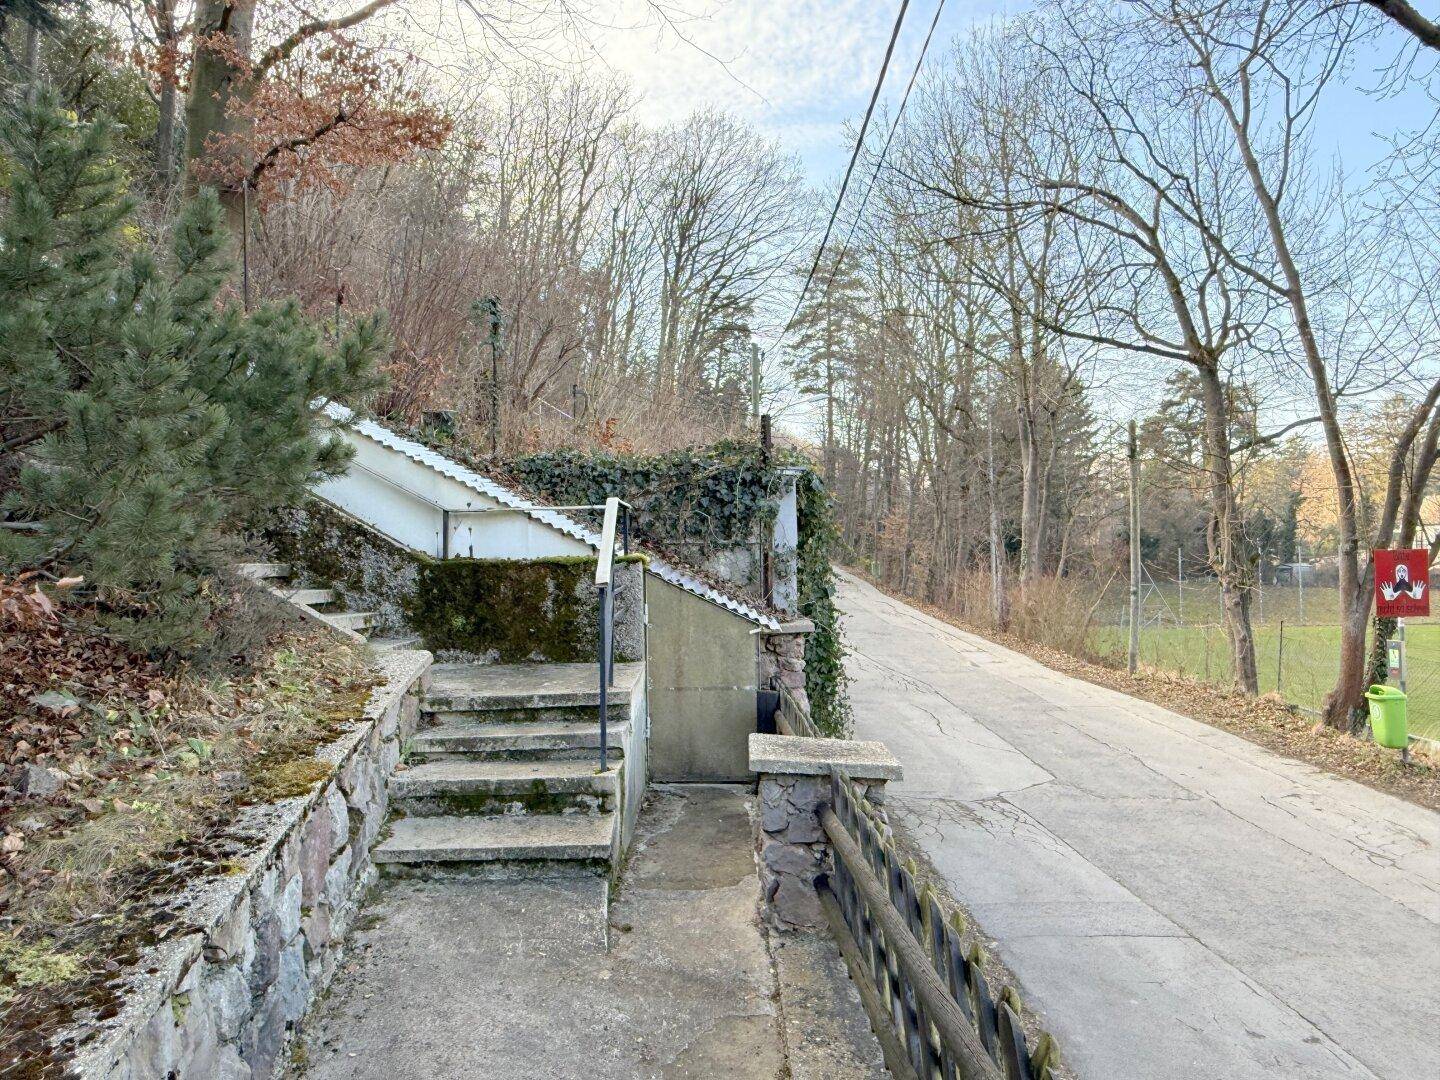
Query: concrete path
point(510, 980)
point(1178, 903)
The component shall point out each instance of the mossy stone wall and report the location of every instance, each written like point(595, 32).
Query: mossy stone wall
point(329, 549)
point(488, 610)
point(510, 612)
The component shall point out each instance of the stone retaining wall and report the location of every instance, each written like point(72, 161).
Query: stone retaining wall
point(220, 1001)
point(782, 660)
point(794, 786)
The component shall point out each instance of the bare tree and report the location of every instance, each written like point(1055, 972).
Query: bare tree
point(1264, 68)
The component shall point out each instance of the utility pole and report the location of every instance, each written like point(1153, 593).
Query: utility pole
point(1133, 453)
point(491, 309)
point(767, 567)
point(1300, 571)
point(754, 383)
point(1180, 579)
point(829, 395)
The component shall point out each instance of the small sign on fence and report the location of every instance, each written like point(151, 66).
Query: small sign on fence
point(1402, 583)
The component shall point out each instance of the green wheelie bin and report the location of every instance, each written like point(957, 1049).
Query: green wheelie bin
point(1387, 715)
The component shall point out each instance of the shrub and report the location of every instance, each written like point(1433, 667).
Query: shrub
point(150, 415)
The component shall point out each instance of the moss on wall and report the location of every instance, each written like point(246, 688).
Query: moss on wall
point(507, 610)
point(487, 610)
point(332, 550)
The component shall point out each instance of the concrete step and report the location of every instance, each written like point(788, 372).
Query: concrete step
point(385, 644)
point(512, 845)
point(348, 620)
point(457, 690)
point(262, 571)
point(448, 788)
point(528, 714)
point(534, 741)
point(309, 597)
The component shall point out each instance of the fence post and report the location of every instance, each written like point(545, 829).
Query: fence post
point(1133, 453)
point(1280, 661)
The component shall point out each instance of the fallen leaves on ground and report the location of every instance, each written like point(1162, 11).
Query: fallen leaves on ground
point(120, 776)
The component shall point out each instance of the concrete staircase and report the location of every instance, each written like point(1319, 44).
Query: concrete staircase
point(502, 776)
point(319, 605)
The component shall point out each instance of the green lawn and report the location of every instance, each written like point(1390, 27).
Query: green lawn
point(1306, 671)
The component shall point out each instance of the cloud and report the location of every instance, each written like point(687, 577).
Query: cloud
point(765, 59)
point(797, 69)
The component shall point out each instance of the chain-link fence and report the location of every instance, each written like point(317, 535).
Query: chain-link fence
point(1297, 641)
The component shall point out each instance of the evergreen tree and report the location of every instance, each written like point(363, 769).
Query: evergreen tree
point(149, 417)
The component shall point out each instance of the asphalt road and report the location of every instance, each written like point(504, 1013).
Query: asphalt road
point(1175, 901)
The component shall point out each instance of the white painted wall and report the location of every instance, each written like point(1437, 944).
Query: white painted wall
point(404, 500)
point(785, 587)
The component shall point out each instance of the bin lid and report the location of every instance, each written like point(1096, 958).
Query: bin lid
point(1380, 691)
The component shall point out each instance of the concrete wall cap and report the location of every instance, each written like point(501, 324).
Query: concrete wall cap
point(791, 626)
point(794, 755)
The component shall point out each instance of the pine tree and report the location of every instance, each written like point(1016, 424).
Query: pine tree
point(149, 417)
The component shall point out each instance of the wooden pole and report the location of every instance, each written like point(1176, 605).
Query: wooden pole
point(754, 383)
point(767, 566)
point(997, 559)
point(1280, 661)
point(245, 243)
point(1180, 580)
point(1133, 453)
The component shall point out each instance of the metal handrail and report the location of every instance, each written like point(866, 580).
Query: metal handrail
point(617, 511)
point(446, 511)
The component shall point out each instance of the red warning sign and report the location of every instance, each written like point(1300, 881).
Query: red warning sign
point(1402, 583)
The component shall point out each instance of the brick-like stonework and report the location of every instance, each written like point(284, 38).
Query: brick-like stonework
point(221, 1001)
point(782, 660)
point(794, 787)
point(793, 850)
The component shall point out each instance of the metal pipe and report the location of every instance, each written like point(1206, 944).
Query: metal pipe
point(610, 635)
point(603, 590)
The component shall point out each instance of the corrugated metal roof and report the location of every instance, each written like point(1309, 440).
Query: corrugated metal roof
point(433, 459)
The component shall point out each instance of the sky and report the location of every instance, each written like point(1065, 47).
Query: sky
point(801, 70)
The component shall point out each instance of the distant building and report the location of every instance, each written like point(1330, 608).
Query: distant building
point(1295, 573)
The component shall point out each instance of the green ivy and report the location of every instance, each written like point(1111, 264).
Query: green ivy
point(825, 676)
point(700, 501)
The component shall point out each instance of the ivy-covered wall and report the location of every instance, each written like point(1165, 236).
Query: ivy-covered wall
point(699, 502)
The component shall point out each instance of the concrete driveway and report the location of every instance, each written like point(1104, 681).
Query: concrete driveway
point(461, 979)
point(1176, 902)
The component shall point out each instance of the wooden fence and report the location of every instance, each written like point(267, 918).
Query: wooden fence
point(910, 964)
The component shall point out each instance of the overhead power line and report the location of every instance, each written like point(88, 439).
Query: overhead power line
point(880, 161)
point(850, 168)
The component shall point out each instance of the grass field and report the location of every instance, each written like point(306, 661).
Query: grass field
point(1194, 643)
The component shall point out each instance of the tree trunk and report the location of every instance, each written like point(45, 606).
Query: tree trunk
point(1227, 556)
point(165, 137)
point(1031, 498)
point(223, 32)
point(32, 50)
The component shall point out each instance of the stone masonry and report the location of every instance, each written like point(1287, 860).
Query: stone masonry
point(221, 1002)
point(782, 659)
point(794, 787)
